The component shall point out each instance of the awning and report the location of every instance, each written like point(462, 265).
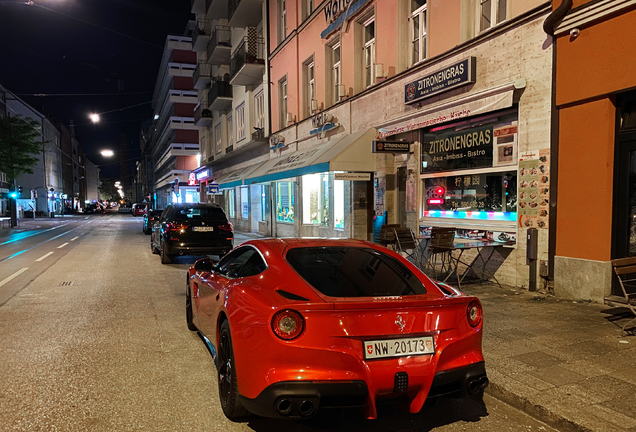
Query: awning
point(235, 178)
point(351, 153)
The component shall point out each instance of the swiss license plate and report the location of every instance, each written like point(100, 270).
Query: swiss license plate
point(402, 347)
point(203, 228)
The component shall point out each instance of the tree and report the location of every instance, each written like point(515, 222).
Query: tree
point(18, 143)
point(108, 190)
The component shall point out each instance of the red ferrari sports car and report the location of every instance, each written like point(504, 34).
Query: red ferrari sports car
point(298, 325)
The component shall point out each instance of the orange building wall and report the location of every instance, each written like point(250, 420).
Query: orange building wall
point(586, 166)
point(186, 163)
point(309, 43)
point(285, 62)
point(611, 45)
point(386, 36)
point(444, 18)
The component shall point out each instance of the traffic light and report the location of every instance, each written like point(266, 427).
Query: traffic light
point(34, 194)
point(20, 189)
point(175, 186)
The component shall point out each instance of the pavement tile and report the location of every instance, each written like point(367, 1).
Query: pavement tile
point(539, 359)
point(557, 375)
point(608, 387)
point(624, 404)
point(627, 374)
point(587, 368)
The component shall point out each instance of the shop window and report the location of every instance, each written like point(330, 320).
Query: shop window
point(316, 199)
point(285, 202)
point(491, 13)
point(338, 204)
point(418, 30)
point(245, 202)
point(230, 203)
point(263, 215)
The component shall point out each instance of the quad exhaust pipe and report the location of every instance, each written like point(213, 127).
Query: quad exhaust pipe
point(285, 407)
point(477, 385)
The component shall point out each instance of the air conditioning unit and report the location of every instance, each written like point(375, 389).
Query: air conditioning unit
point(290, 118)
point(314, 105)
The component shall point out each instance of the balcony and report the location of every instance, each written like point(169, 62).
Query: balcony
point(201, 35)
point(197, 6)
point(258, 134)
point(248, 62)
point(245, 13)
point(216, 9)
point(220, 96)
point(220, 46)
point(202, 115)
point(201, 76)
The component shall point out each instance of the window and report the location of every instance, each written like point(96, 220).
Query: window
point(491, 13)
point(263, 203)
point(282, 20)
point(369, 52)
point(418, 31)
point(282, 103)
point(309, 85)
point(230, 203)
point(230, 131)
point(285, 202)
point(307, 8)
point(218, 137)
point(242, 262)
point(245, 202)
point(338, 204)
point(337, 73)
point(316, 199)
point(240, 122)
point(259, 100)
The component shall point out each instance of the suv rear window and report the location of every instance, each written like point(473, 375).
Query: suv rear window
point(354, 272)
point(207, 213)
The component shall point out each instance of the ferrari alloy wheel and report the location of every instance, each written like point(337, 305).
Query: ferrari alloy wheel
point(189, 319)
point(165, 257)
point(228, 387)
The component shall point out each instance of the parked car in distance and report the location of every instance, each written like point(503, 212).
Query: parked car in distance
point(333, 323)
point(91, 208)
point(139, 209)
point(191, 229)
point(150, 218)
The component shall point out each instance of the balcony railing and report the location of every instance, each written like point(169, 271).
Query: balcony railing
point(201, 76)
point(244, 13)
point(251, 52)
point(220, 95)
point(201, 35)
point(220, 45)
point(258, 134)
point(202, 114)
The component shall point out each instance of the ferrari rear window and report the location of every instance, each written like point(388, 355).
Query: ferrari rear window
point(354, 272)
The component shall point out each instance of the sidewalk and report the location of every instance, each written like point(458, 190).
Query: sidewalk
point(563, 362)
point(40, 223)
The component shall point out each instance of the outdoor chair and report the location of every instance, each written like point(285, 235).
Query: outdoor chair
point(625, 269)
point(405, 243)
point(387, 235)
point(441, 246)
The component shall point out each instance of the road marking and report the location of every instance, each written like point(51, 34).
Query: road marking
point(61, 246)
point(19, 272)
point(39, 244)
point(44, 256)
point(74, 238)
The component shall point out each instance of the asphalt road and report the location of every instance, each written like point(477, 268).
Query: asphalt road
point(93, 338)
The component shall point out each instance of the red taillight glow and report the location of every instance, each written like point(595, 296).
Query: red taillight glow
point(176, 227)
point(226, 227)
point(474, 313)
point(288, 324)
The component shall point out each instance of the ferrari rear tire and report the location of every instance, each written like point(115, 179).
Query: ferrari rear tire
point(189, 316)
point(228, 386)
point(165, 257)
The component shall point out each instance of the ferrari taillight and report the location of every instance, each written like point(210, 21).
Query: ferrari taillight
point(287, 324)
point(474, 313)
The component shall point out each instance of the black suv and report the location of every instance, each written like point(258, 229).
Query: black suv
point(191, 229)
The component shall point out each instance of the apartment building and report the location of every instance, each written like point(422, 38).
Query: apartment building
point(232, 108)
point(4, 185)
point(596, 142)
point(173, 136)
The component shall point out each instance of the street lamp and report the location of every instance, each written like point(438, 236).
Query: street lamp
point(107, 153)
point(94, 117)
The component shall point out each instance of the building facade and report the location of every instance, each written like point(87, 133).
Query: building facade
point(4, 185)
point(596, 145)
point(173, 137)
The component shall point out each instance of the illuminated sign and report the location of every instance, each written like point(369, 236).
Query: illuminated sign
point(391, 147)
point(203, 174)
point(337, 12)
point(435, 195)
point(452, 76)
point(192, 180)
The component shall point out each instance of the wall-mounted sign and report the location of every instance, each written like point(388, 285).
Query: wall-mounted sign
point(391, 147)
point(337, 11)
point(213, 188)
point(452, 76)
point(353, 176)
point(203, 174)
point(276, 142)
point(322, 122)
point(192, 179)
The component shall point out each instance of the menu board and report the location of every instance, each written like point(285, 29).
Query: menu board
point(534, 189)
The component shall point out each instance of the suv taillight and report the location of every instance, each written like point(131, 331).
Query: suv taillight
point(287, 324)
point(176, 227)
point(226, 227)
point(474, 313)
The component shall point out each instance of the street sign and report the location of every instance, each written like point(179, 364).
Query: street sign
point(213, 188)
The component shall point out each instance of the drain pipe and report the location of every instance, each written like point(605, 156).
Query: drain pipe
point(556, 15)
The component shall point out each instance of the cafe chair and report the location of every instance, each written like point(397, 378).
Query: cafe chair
point(625, 269)
point(441, 247)
point(387, 235)
point(405, 243)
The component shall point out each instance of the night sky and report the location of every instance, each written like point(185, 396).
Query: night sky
point(73, 47)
